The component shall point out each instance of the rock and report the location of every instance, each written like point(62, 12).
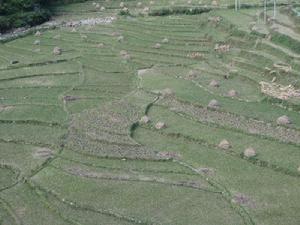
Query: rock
point(224, 144)
point(145, 120)
point(214, 83)
point(160, 125)
point(283, 120)
point(214, 104)
point(57, 51)
point(14, 62)
point(250, 152)
point(122, 4)
point(232, 93)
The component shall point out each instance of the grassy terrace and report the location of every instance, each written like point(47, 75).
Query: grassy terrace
point(73, 148)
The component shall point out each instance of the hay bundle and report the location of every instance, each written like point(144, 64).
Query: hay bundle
point(151, 2)
point(283, 120)
point(232, 93)
point(168, 155)
point(122, 4)
point(206, 171)
point(139, 4)
point(57, 51)
point(97, 6)
point(43, 153)
point(195, 55)
point(214, 104)
point(279, 91)
point(102, 8)
point(214, 83)
point(283, 67)
point(222, 48)
point(160, 125)
point(224, 144)
point(249, 152)
point(298, 169)
point(144, 120)
point(214, 19)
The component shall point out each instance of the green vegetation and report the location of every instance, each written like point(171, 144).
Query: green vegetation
point(159, 113)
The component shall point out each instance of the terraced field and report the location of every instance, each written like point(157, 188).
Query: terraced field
point(152, 112)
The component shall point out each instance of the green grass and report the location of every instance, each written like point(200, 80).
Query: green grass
point(73, 149)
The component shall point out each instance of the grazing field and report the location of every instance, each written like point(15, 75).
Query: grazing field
point(152, 112)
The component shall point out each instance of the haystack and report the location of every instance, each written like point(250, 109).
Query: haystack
point(250, 152)
point(166, 92)
point(283, 120)
point(214, 83)
point(126, 57)
point(146, 10)
point(57, 36)
point(165, 40)
point(57, 51)
point(224, 144)
point(36, 42)
point(157, 46)
point(160, 125)
point(214, 104)
point(192, 74)
point(38, 33)
point(121, 38)
point(144, 120)
point(232, 93)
